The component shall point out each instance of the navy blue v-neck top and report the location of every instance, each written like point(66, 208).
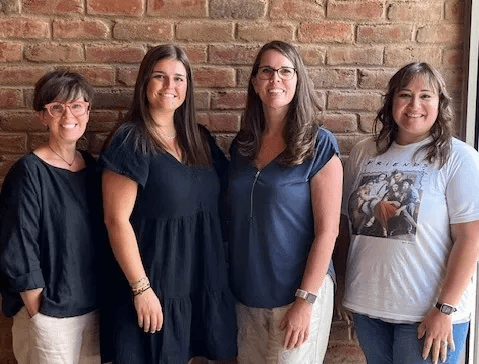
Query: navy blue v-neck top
point(272, 225)
point(52, 236)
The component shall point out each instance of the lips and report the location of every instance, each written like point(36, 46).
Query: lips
point(275, 91)
point(68, 126)
point(167, 95)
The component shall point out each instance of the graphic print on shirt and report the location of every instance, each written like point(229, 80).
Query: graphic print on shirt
point(386, 204)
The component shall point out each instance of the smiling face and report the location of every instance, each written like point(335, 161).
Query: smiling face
point(65, 127)
point(275, 93)
point(166, 89)
point(415, 110)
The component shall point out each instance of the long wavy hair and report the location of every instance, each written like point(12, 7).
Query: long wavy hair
point(303, 116)
point(386, 130)
point(193, 144)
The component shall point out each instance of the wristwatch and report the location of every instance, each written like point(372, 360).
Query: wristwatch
point(305, 295)
point(445, 308)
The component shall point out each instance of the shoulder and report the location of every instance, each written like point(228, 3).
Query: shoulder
point(365, 146)
point(462, 154)
point(325, 138)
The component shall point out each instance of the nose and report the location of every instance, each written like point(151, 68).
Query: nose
point(167, 82)
point(275, 77)
point(415, 101)
point(68, 112)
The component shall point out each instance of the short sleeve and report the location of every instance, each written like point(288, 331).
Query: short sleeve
point(463, 182)
point(20, 215)
point(326, 147)
point(122, 156)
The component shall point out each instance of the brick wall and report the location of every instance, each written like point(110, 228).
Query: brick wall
point(351, 48)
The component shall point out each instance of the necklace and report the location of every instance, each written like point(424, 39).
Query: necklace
point(63, 159)
point(167, 136)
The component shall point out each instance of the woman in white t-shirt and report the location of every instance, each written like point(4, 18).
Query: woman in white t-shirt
point(409, 274)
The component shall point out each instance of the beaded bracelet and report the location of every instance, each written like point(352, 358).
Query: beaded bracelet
point(141, 290)
point(139, 283)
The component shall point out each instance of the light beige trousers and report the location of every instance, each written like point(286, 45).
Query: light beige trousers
point(52, 340)
point(261, 341)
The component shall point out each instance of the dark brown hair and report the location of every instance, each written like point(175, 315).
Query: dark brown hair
point(61, 85)
point(302, 116)
point(193, 144)
point(386, 129)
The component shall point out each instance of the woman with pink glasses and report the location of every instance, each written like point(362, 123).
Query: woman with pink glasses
point(52, 234)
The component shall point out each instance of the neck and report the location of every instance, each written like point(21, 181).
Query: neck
point(66, 152)
point(274, 122)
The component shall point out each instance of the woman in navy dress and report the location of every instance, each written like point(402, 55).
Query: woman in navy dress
point(161, 185)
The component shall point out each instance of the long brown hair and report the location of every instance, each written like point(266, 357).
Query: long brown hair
point(302, 116)
point(386, 129)
point(193, 144)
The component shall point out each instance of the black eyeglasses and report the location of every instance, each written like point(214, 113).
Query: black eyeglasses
point(285, 73)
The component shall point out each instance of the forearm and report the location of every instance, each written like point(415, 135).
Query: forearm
point(318, 261)
point(32, 300)
point(125, 248)
point(461, 265)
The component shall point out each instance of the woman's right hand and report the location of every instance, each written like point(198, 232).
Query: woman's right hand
point(149, 311)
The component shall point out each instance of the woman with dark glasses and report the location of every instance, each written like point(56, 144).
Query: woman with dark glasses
point(52, 234)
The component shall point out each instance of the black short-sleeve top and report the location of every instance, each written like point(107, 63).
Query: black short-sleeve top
point(52, 236)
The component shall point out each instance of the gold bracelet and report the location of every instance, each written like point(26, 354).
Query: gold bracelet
point(139, 283)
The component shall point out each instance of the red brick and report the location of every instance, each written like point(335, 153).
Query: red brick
point(54, 52)
point(178, 8)
point(97, 75)
point(220, 122)
point(242, 76)
point(204, 31)
point(13, 143)
point(397, 55)
point(197, 53)
point(114, 53)
point(265, 32)
point(340, 122)
point(102, 120)
point(23, 28)
point(21, 121)
point(143, 30)
point(296, 9)
point(202, 99)
point(115, 7)
point(224, 142)
point(366, 121)
point(52, 6)
point(233, 54)
point(331, 77)
point(80, 29)
point(346, 143)
point(214, 77)
point(440, 33)
point(355, 10)
point(21, 75)
point(455, 11)
point(387, 33)
point(325, 32)
point(10, 98)
point(127, 76)
point(356, 55)
point(453, 79)
point(228, 100)
point(374, 79)
point(365, 101)
point(452, 57)
point(237, 9)
point(36, 139)
point(321, 97)
point(96, 141)
point(10, 52)
point(113, 99)
point(10, 7)
point(313, 55)
point(418, 12)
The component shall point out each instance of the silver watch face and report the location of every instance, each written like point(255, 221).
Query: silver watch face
point(446, 309)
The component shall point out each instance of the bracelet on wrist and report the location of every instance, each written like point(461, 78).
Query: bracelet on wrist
point(142, 282)
point(141, 290)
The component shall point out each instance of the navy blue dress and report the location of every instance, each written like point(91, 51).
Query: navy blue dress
point(177, 226)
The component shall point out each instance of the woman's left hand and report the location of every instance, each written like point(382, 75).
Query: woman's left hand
point(437, 329)
point(296, 324)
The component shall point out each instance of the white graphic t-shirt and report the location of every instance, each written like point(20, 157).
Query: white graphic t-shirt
point(400, 210)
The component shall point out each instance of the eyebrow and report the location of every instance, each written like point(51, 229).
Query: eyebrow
point(164, 73)
point(408, 89)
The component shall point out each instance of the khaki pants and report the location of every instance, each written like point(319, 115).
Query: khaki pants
point(261, 341)
point(52, 340)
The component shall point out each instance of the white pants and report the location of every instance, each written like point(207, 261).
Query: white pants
point(261, 341)
point(52, 340)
